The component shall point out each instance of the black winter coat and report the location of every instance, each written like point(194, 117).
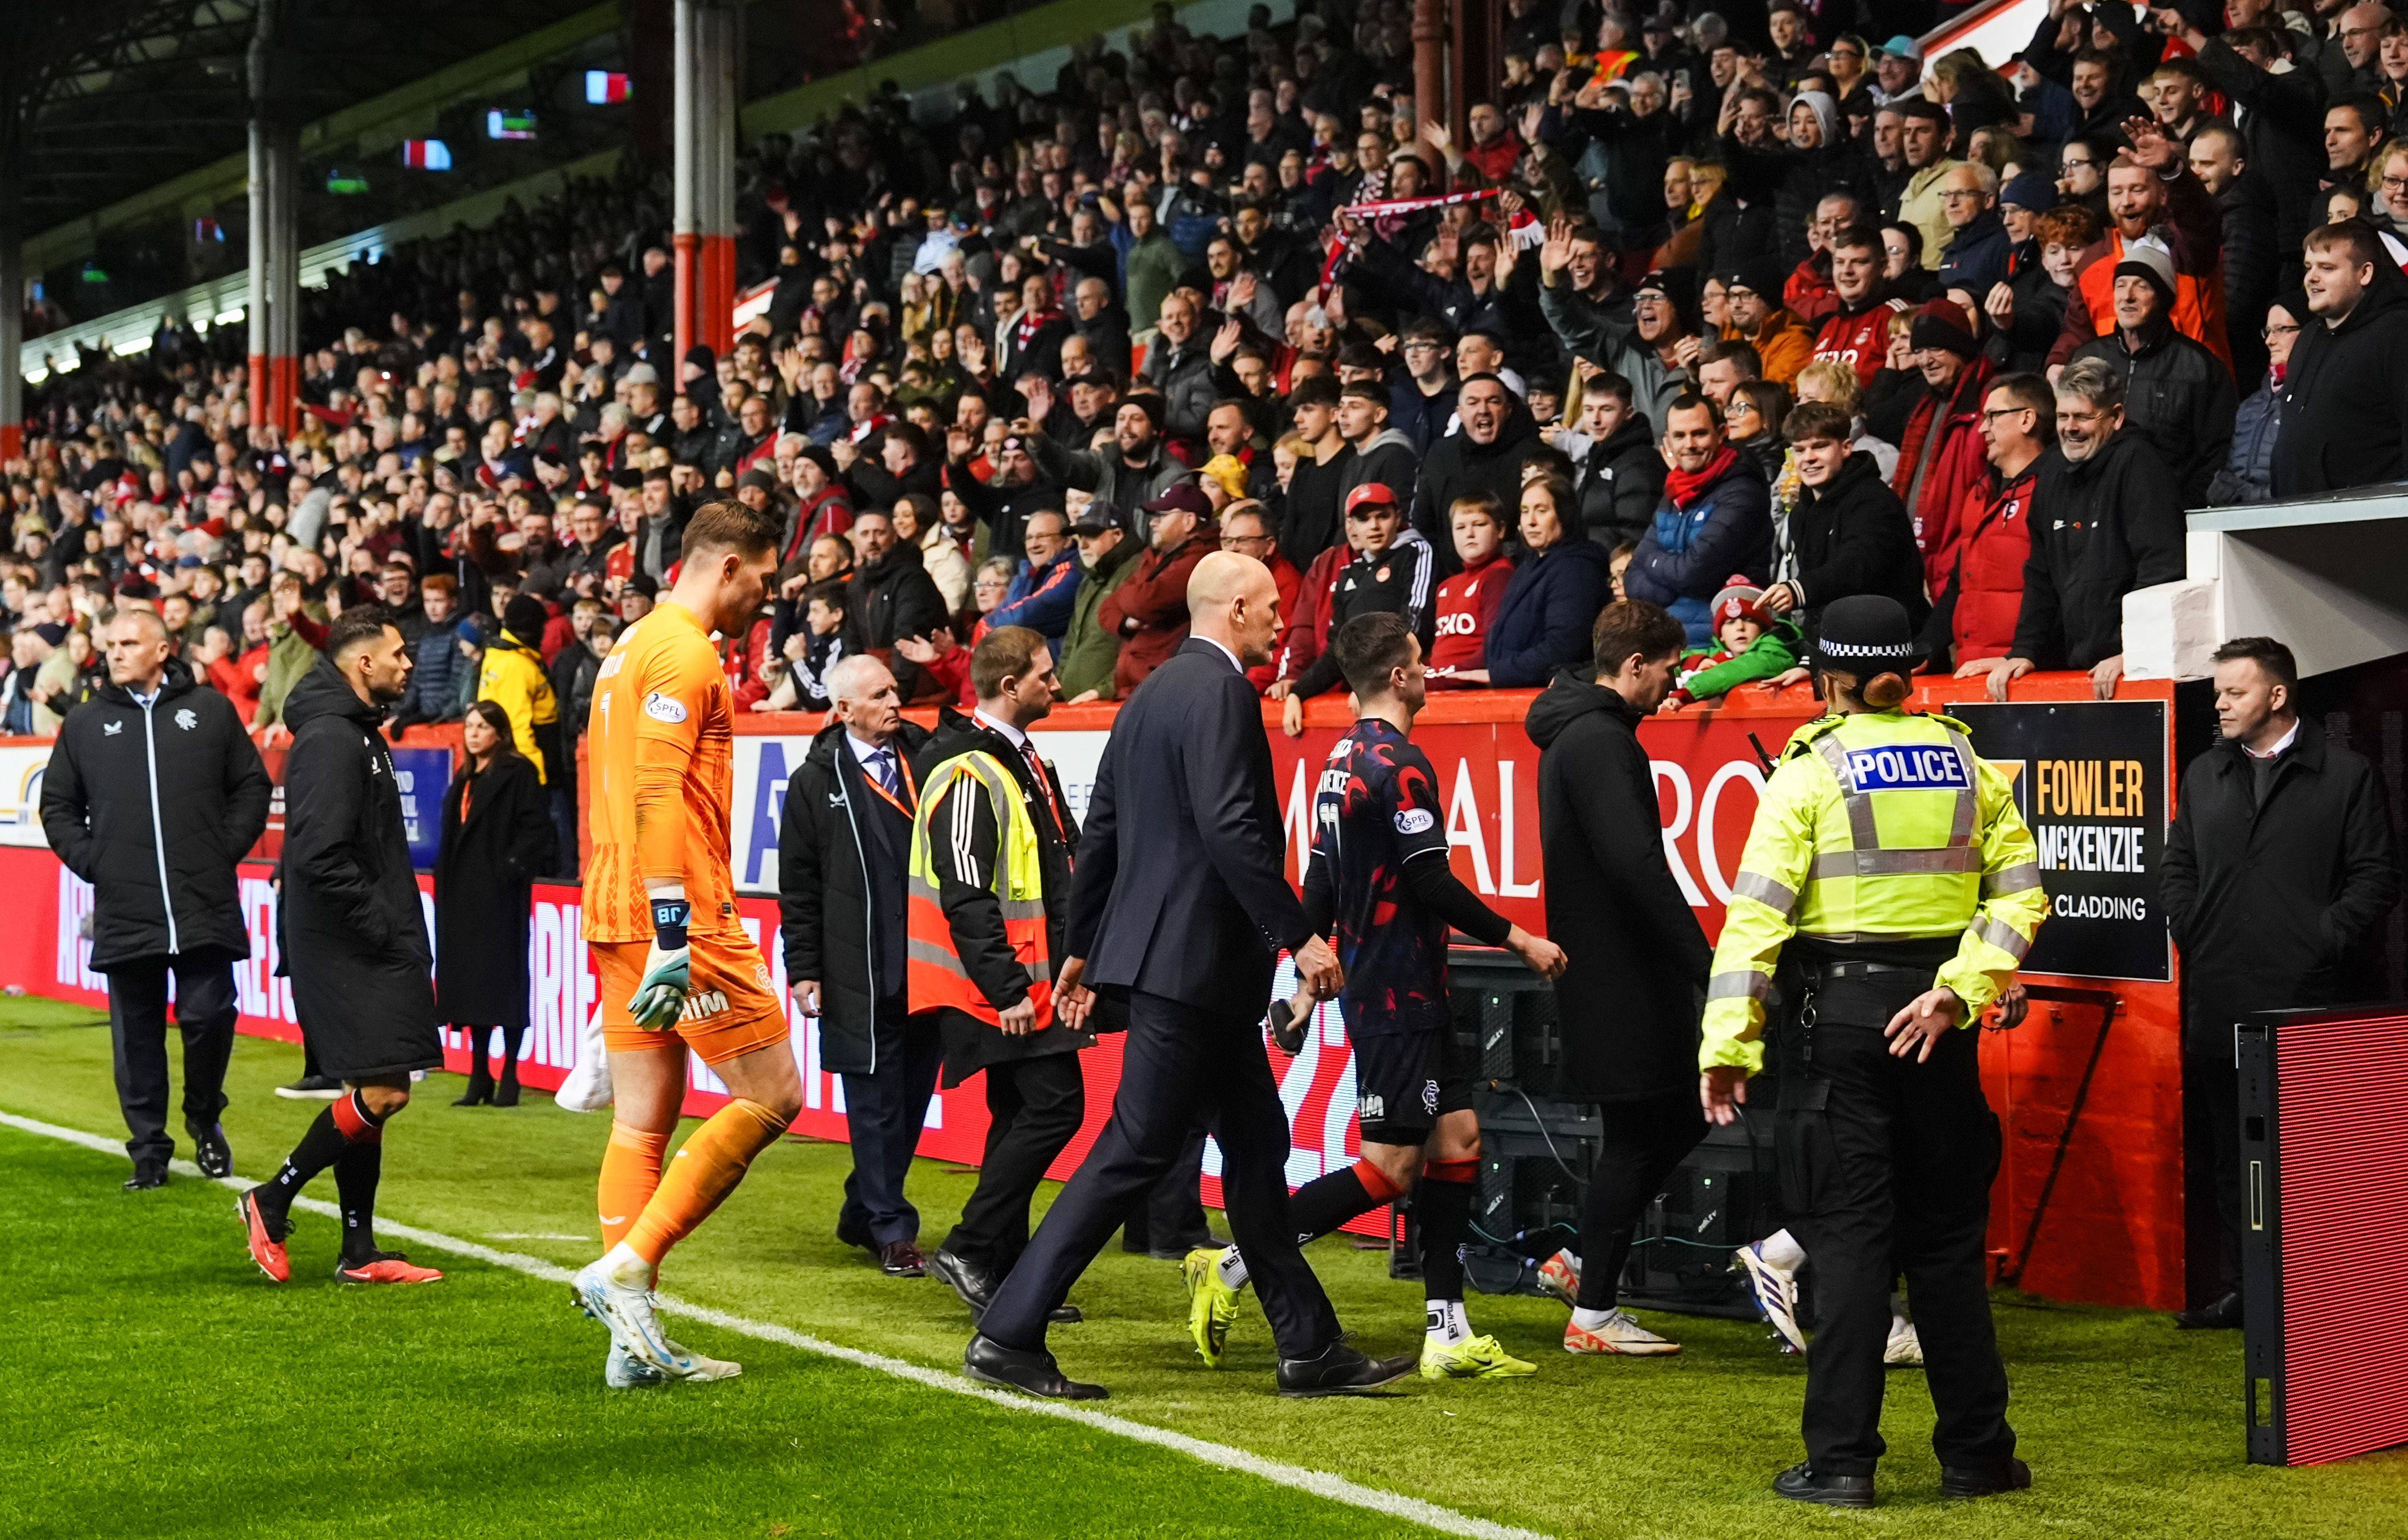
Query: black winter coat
point(2178, 397)
point(1621, 481)
point(355, 935)
point(1457, 467)
point(1634, 985)
point(843, 857)
point(2282, 122)
point(484, 877)
point(2274, 905)
point(2101, 528)
point(971, 911)
point(1853, 535)
point(119, 778)
point(2345, 399)
point(894, 596)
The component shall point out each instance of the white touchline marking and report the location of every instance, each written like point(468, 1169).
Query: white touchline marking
point(1336, 1489)
point(535, 1235)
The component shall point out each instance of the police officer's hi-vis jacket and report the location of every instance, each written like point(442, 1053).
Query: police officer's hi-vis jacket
point(1878, 826)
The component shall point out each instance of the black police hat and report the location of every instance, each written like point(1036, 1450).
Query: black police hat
point(1867, 633)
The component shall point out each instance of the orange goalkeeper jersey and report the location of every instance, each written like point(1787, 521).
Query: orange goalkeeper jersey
point(660, 772)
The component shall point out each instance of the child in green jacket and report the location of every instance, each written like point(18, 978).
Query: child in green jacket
point(1754, 644)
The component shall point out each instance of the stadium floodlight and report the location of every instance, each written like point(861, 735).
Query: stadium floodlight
point(510, 123)
point(131, 346)
point(227, 318)
point(426, 154)
point(607, 87)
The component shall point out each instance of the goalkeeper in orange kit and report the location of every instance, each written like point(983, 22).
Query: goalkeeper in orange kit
point(677, 972)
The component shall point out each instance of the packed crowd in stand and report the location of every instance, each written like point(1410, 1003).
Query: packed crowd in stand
point(1739, 317)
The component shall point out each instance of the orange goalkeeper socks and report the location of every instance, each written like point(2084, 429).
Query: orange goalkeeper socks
point(631, 1173)
point(706, 1169)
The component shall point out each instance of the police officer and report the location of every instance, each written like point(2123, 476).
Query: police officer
point(989, 893)
point(1897, 862)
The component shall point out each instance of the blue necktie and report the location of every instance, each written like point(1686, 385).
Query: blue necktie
point(881, 762)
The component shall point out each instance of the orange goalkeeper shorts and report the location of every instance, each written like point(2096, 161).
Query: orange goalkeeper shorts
point(730, 1010)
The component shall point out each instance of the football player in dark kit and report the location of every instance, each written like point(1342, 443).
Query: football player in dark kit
point(1379, 869)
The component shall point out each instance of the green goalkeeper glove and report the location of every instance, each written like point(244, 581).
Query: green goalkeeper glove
point(660, 994)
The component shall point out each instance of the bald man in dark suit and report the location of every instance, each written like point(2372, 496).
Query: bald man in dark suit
point(1181, 904)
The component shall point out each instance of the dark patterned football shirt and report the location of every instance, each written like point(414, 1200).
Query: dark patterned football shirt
point(1377, 808)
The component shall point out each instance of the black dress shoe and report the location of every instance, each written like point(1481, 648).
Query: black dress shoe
point(902, 1260)
point(1342, 1370)
point(973, 1285)
point(2216, 1315)
point(1019, 1369)
point(1065, 1315)
point(1177, 1250)
point(147, 1174)
point(1984, 1481)
point(210, 1152)
point(1800, 1483)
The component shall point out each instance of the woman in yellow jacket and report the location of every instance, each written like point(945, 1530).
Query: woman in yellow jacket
point(513, 677)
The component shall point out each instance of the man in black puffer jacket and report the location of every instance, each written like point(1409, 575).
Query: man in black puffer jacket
point(2346, 398)
point(1485, 455)
point(844, 848)
point(353, 939)
point(1617, 465)
point(2177, 394)
point(1849, 533)
point(152, 794)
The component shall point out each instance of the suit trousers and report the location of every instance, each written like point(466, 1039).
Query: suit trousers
point(1171, 1219)
point(1034, 1107)
point(1891, 1173)
point(884, 1111)
point(137, 1030)
point(1181, 1065)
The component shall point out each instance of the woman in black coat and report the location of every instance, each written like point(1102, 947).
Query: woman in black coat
point(497, 836)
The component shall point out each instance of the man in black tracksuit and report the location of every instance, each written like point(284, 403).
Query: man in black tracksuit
point(152, 794)
point(1035, 1092)
point(843, 845)
point(2277, 870)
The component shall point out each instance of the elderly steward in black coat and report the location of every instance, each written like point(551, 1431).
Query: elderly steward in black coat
point(152, 800)
point(1636, 959)
point(843, 852)
point(497, 840)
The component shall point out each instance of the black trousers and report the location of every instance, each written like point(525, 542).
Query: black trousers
point(884, 1113)
point(1644, 1141)
point(2212, 1100)
point(1034, 1107)
point(137, 1031)
point(1891, 1173)
point(1181, 1064)
point(1173, 1216)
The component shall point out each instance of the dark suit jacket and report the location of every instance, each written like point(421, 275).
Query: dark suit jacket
point(1181, 887)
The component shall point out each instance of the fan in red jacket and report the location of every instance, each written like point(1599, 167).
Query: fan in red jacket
point(1940, 454)
point(1468, 602)
point(1856, 332)
point(1983, 590)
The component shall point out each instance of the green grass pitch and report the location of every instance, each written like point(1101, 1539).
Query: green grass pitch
point(158, 1386)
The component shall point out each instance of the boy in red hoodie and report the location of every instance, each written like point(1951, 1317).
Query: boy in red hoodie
point(1468, 602)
